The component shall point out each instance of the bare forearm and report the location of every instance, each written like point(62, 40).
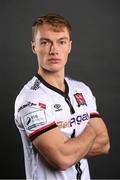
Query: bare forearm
point(101, 145)
point(74, 149)
point(62, 152)
point(79, 146)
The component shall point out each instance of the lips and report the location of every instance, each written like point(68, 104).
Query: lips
point(54, 60)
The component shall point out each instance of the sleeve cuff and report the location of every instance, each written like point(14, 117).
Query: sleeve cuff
point(42, 130)
point(94, 115)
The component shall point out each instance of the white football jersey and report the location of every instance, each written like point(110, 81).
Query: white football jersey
point(40, 107)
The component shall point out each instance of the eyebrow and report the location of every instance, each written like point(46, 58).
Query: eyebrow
point(64, 38)
point(47, 39)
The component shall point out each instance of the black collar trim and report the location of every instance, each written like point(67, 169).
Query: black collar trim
point(65, 94)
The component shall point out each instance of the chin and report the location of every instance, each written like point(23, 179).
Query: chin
point(55, 69)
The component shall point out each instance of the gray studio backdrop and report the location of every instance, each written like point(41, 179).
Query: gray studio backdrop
point(95, 59)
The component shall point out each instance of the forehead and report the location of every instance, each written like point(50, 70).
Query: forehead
point(49, 31)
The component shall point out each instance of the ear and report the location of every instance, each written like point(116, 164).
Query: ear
point(33, 47)
point(70, 47)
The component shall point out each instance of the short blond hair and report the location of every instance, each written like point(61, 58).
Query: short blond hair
point(55, 20)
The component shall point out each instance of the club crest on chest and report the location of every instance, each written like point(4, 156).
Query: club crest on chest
point(80, 99)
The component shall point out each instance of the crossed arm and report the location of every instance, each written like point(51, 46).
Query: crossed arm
point(101, 144)
point(62, 152)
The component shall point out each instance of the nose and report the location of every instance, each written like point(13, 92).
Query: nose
point(53, 49)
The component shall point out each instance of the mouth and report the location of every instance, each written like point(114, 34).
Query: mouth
point(54, 60)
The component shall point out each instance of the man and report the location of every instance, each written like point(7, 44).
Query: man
point(56, 116)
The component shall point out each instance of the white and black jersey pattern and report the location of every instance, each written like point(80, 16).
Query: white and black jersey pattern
point(40, 107)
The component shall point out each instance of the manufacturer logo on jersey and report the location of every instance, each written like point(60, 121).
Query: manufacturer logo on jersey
point(80, 99)
point(57, 107)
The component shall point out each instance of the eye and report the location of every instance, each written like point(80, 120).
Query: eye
point(62, 42)
point(44, 43)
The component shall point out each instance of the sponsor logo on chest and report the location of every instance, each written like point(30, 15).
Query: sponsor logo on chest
point(79, 119)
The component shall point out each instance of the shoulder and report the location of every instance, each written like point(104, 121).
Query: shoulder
point(76, 84)
point(79, 86)
point(29, 92)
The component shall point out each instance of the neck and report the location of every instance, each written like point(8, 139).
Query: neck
point(55, 79)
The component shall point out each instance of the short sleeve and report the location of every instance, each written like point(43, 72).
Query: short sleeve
point(34, 117)
point(91, 103)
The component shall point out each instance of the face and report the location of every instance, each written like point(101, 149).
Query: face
point(52, 48)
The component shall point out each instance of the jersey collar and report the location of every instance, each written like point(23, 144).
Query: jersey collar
point(65, 94)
